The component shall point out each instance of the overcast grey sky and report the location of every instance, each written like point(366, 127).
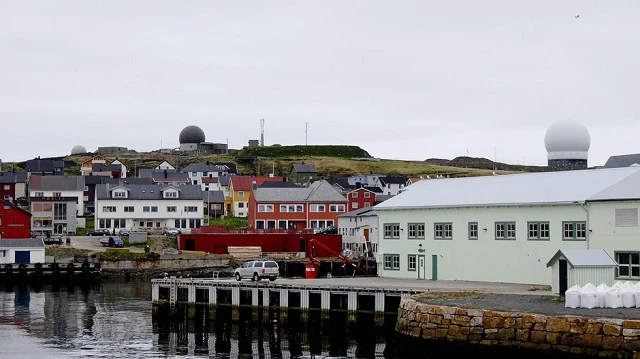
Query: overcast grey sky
point(401, 79)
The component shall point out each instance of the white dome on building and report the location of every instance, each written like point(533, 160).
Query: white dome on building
point(567, 140)
point(77, 149)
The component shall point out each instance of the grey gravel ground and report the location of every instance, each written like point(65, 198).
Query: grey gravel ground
point(536, 304)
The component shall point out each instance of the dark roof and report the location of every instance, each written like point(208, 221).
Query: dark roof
point(127, 181)
point(341, 182)
point(213, 196)
point(360, 212)
point(224, 180)
point(304, 168)
point(150, 192)
point(622, 161)
point(22, 243)
point(278, 184)
point(102, 167)
point(13, 177)
point(149, 172)
point(161, 174)
point(393, 180)
point(43, 165)
point(56, 183)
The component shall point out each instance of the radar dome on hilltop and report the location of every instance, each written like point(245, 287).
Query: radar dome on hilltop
point(77, 149)
point(567, 144)
point(191, 134)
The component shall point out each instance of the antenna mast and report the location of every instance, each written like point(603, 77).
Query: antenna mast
point(262, 132)
point(306, 132)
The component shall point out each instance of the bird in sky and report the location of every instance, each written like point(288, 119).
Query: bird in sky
point(577, 16)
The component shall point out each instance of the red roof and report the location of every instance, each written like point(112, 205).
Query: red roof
point(245, 183)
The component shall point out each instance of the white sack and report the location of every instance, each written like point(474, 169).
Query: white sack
point(572, 297)
point(601, 290)
point(635, 289)
point(613, 297)
point(628, 298)
point(588, 296)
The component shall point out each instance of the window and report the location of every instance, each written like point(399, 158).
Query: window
point(146, 209)
point(119, 194)
point(171, 194)
point(60, 211)
point(240, 204)
point(626, 217)
point(107, 209)
point(271, 224)
point(241, 194)
point(259, 224)
point(392, 261)
point(391, 230)
point(367, 195)
point(38, 194)
point(367, 204)
point(190, 209)
point(443, 231)
point(128, 208)
point(317, 208)
point(154, 208)
point(506, 230)
point(7, 187)
point(105, 223)
point(354, 195)
point(473, 230)
point(354, 205)
point(172, 209)
point(336, 208)
point(574, 231)
point(86, 188)
point(628, 265)
point(0, 221)
point(265, 208)
point(411, 261)
point(119, 223)
point(57, 194)
point(416, 230)
point(538, 231)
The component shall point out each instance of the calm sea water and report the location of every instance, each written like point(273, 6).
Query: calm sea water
point(113, 320)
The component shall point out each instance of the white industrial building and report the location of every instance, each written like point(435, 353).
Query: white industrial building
point(359, 230)
point(506, 228)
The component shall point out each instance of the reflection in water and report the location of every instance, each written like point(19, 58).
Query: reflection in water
point(114, 320)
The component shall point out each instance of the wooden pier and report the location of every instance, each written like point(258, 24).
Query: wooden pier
point(281, 295)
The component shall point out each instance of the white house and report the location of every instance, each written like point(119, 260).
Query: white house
point(165, 166)
point(148, 208)
point(29, 250)
point(56, 202)
point(198, 170)
point(506, 228)
point(359, 230)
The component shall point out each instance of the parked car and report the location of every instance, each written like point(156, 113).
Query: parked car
point(326, 230)
point(99, 232)
point(52, 240)
point(257, 270)
point(112, 241)
point(123, 232)
point(171, 231)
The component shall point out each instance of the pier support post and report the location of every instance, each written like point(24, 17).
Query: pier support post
point(155, 292)
point(352, 306)
point(304, 305)
point(325, 304)
point(284, 305)
point(213, 295)
point(255, 299)
point(379, 308)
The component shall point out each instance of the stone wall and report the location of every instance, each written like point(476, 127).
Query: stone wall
point(601, 337)
point(168, 264)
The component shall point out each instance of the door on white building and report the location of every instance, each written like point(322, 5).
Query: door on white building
point(421, 267)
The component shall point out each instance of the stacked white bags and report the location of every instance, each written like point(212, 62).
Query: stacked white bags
point(619, 295)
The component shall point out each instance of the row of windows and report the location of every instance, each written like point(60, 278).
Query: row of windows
point(355, 205)
point(122, 223)
point(284, 208)
point(502, 230)
point(148, 209)
point(355, 194)
point(283, 224)
point(628, 264)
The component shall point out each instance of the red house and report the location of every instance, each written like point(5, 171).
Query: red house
point(315, 206)
point(14, 221)
point(362, 197)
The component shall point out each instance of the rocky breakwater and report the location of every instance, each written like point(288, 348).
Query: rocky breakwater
point(583, 336)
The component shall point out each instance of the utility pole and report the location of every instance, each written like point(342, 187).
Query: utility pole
point(306, 132)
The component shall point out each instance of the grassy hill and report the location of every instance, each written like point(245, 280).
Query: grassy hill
point(331, 162)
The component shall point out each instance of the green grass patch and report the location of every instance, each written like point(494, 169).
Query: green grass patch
point(118, 254)
point(229, 222)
